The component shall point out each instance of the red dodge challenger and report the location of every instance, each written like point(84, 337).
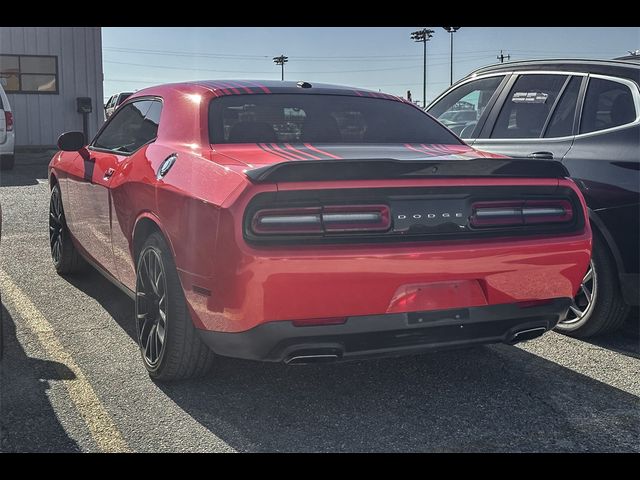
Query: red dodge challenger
point(292, 222)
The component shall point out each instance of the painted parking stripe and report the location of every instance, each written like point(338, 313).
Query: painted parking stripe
point(101, 427)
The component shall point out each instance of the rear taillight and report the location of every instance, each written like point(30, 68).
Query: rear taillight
point(318, 220)
point(520, 212)
point(8, 119)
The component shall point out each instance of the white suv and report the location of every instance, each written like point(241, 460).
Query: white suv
point(7, 134)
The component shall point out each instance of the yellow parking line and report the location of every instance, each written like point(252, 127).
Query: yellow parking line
point(101, 426)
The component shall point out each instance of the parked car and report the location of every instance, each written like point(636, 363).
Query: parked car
point(585, 113)
point(114, 102)
point(232, 241)
point(7, 133)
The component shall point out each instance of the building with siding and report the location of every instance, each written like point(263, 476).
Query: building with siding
point(43, 71)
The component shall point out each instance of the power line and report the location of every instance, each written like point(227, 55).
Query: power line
point(256, 71)
point(293, 57)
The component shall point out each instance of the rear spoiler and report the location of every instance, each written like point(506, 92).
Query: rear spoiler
point(383, 168)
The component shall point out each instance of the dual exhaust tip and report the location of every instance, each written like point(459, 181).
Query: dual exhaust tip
point(528, 334)
point(306, 357)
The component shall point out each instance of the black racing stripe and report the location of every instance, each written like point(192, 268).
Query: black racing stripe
point(307, 150)
point(294, 151)
point(270, 149)
point(267, 148)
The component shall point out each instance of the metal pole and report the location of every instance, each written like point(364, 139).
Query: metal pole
point(451, 59)
point(282, 71)
point(85, 126)
point(424, 76)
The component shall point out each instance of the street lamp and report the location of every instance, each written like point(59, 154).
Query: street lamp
point(281, 60)
point(423, 36)
point(451, 31)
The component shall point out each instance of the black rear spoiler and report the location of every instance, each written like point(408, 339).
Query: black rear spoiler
point(383, 168)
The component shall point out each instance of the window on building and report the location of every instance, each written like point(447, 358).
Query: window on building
point(29, 73)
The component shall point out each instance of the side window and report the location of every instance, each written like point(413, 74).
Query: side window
point(527, 106)
point(152, 120)
point(561, 123)
point(460, 109)
point(134, 125)
point(607, 104)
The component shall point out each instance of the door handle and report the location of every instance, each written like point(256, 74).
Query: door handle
point(109, 173)
point(541, 155)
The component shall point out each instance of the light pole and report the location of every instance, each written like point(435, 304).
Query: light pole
point(423, 36)
point(451, 31)
point(281, 60)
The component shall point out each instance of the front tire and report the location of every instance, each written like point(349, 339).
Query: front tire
point(66, 258)
point(169, 343)
point(598, 307)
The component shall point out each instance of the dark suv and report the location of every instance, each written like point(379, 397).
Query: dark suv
point(585, 113)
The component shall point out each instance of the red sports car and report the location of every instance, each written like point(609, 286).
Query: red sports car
point(285, 221)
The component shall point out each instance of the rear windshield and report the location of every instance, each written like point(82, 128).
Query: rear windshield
point(266, 118)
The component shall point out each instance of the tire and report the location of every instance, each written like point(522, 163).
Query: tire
point(170, 346)
point(606, 310)
point(66, 258)
point(7, 162)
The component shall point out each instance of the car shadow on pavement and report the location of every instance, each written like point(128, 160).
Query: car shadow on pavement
point(625, 342)
point(28, 422)
point(25, 172)
point(496, 398)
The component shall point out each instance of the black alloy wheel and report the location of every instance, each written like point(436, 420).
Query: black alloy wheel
point(151, 307)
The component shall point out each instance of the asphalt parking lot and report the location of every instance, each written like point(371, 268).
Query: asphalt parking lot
point(71, 379)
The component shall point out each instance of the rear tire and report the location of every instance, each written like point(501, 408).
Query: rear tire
point(7, 162)
point(170, 346)
point(604, 310)
point(66, 258)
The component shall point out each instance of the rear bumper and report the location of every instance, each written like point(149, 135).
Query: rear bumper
point(390, 334)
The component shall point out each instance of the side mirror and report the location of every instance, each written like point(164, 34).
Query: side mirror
point(71, 141)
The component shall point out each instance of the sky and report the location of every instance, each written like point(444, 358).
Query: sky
point(378, 58)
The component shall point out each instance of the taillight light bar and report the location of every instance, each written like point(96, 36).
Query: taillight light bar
point(520, 212)
point(318, 220)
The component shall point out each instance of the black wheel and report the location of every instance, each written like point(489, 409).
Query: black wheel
point(7, 162)
point(598, 306)
point(65, 257)
point(169, 343)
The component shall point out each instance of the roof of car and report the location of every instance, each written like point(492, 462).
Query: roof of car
point(241, 86)
point(569, 64)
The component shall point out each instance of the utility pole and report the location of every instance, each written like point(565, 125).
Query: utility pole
point(501, 57)
point(281, 60)
point(423, 36)
point(451, 31)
